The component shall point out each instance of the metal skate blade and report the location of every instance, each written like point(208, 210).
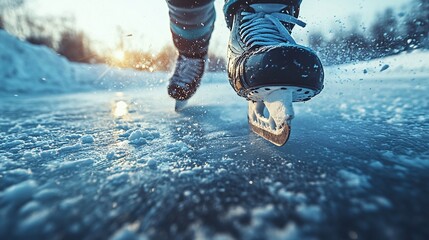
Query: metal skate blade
point(279, 139)
point(180, 105)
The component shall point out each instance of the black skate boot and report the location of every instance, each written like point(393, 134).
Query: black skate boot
point(186, 79)
point(268, 68)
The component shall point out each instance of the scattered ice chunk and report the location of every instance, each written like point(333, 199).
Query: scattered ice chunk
point(19, 173)
point(75, 165)
point(127, 133)
point(29, 208)
point(376, 165)
point(128, 232)
point(19, 193)
point(354, 180)
point(12, 144)
point(48, 154)
point(17, 128)
point(263, 211)
point(71, 148)
point(28, 156)
point(309, 212)
point(47, 194)
point(33, 224)
point(291, 196)
point(111, 155)
point(216, 135)
point(141, 137)
point(384, 202)
point(70, 202)
point(73, 136)
point(407, 161)
point(151, 163)
point(385, 67)
point(186, 173)
point(87, 139)
point(235, 212)
point(178, 147)
point(118, 179)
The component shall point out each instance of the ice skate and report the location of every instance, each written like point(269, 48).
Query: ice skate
point(185, 80)
point(268, 68)
point(191, 25)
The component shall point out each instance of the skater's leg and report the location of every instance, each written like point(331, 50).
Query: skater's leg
point(191, 25)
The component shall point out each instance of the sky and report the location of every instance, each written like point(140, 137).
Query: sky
point(148, 22)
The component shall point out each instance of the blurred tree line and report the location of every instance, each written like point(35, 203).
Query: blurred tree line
point(391, 33)
point(62, 35)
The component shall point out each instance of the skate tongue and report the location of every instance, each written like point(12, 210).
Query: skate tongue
point(268, 7)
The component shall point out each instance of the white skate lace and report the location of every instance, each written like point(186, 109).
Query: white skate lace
point(187, 70)
point(265, 29)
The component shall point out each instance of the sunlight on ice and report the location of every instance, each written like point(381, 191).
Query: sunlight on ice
point(120, 109)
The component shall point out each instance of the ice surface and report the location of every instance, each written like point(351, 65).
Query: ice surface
point(355, 166)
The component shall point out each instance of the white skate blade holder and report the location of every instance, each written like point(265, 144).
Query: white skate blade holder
point(180, 105)
point(270, 113)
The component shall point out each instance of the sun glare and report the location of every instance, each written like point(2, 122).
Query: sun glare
point(119, 55)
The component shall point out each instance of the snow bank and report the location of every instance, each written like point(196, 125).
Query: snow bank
point(405, 65)
point(29, 68)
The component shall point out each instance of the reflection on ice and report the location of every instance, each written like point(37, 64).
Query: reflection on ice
point(120, 109)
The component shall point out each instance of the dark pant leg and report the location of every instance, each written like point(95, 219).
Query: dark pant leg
point(191, 24)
